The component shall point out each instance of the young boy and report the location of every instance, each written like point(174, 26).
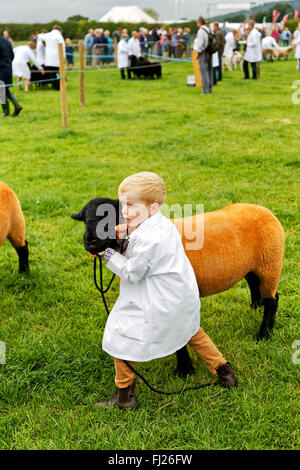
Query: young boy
point(158, 310)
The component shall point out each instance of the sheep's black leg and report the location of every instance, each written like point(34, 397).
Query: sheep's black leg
point(184, 363)
point(23, 254)
point(253, 282)
point(270, 308)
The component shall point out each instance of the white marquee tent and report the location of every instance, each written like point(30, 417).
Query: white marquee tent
point(131, 14)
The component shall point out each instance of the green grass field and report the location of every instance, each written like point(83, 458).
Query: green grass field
point(240, 144)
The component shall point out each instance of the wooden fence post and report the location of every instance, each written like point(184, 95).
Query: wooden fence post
point(81, 72)
point(197, 73)
point(63, 95)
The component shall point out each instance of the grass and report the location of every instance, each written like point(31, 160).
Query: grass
point(241, 144)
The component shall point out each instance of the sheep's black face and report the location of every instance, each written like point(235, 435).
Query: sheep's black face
point(100, 216)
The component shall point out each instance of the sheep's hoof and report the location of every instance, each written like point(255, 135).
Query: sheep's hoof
point(183, 373)
point(256, 304)
point(24, 270)
point(263, 335)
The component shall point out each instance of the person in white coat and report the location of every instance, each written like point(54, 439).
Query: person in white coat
point(253, 53)
point(158, 309)
point(268, 42)
point(296, 42)
point(230, 43)
point(40, 51)
point(123, 53)
point(52, 40)
point(134, 47)
point(20, 67)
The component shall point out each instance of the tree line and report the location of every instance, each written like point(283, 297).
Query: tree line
point(78, 29)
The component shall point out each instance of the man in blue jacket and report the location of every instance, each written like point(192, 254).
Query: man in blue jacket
point(88, 44)
point(6, 58)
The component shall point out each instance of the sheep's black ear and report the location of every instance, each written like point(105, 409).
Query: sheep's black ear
point(79, 216)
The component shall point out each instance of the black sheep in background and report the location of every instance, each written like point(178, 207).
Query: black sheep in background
point(140, 67)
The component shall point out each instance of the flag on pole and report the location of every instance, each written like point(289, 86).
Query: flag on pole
point(296, 14)
point(276, 15)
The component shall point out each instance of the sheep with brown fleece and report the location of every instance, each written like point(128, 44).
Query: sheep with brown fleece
point(12, 225)
point(240, 241)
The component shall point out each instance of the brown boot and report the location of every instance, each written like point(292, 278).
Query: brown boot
point(227, 376)
point(123, 398)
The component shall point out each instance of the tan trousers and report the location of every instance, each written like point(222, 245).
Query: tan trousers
point(200, 342)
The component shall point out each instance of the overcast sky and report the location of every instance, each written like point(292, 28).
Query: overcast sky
point(29, 11)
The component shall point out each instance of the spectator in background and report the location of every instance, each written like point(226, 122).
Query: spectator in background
point(205, 59)
point(34, 38)
point(286, 36)
point(220, 39)
point(7, 37)
point(69, 54)
point(117, 34)
point(6, 58)
point(173, 43)
point(179, 40)
point(88, 44)
point(162, 31)
point(100, 47)
point(110, 48)
point(187, 42)
point(160, 45)
point(275, 34)
point(153, 39)
point(143, 40)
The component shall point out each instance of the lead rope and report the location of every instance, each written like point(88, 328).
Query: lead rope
point(102, 292)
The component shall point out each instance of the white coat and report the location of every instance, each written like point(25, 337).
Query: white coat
point(40, 52)
point(158, 309)
point(215, 59)
point(52, 40)
point(268, 42)
point(229, 44)
point(134, 47)
point(297, 43)
point(254, 50)
point(22, 55)
point(123, 53)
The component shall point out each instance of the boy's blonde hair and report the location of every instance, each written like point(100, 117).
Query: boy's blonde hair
point(148, 186)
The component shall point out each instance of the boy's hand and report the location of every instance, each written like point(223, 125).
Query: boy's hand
point(95, 256)
point(121, 230)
